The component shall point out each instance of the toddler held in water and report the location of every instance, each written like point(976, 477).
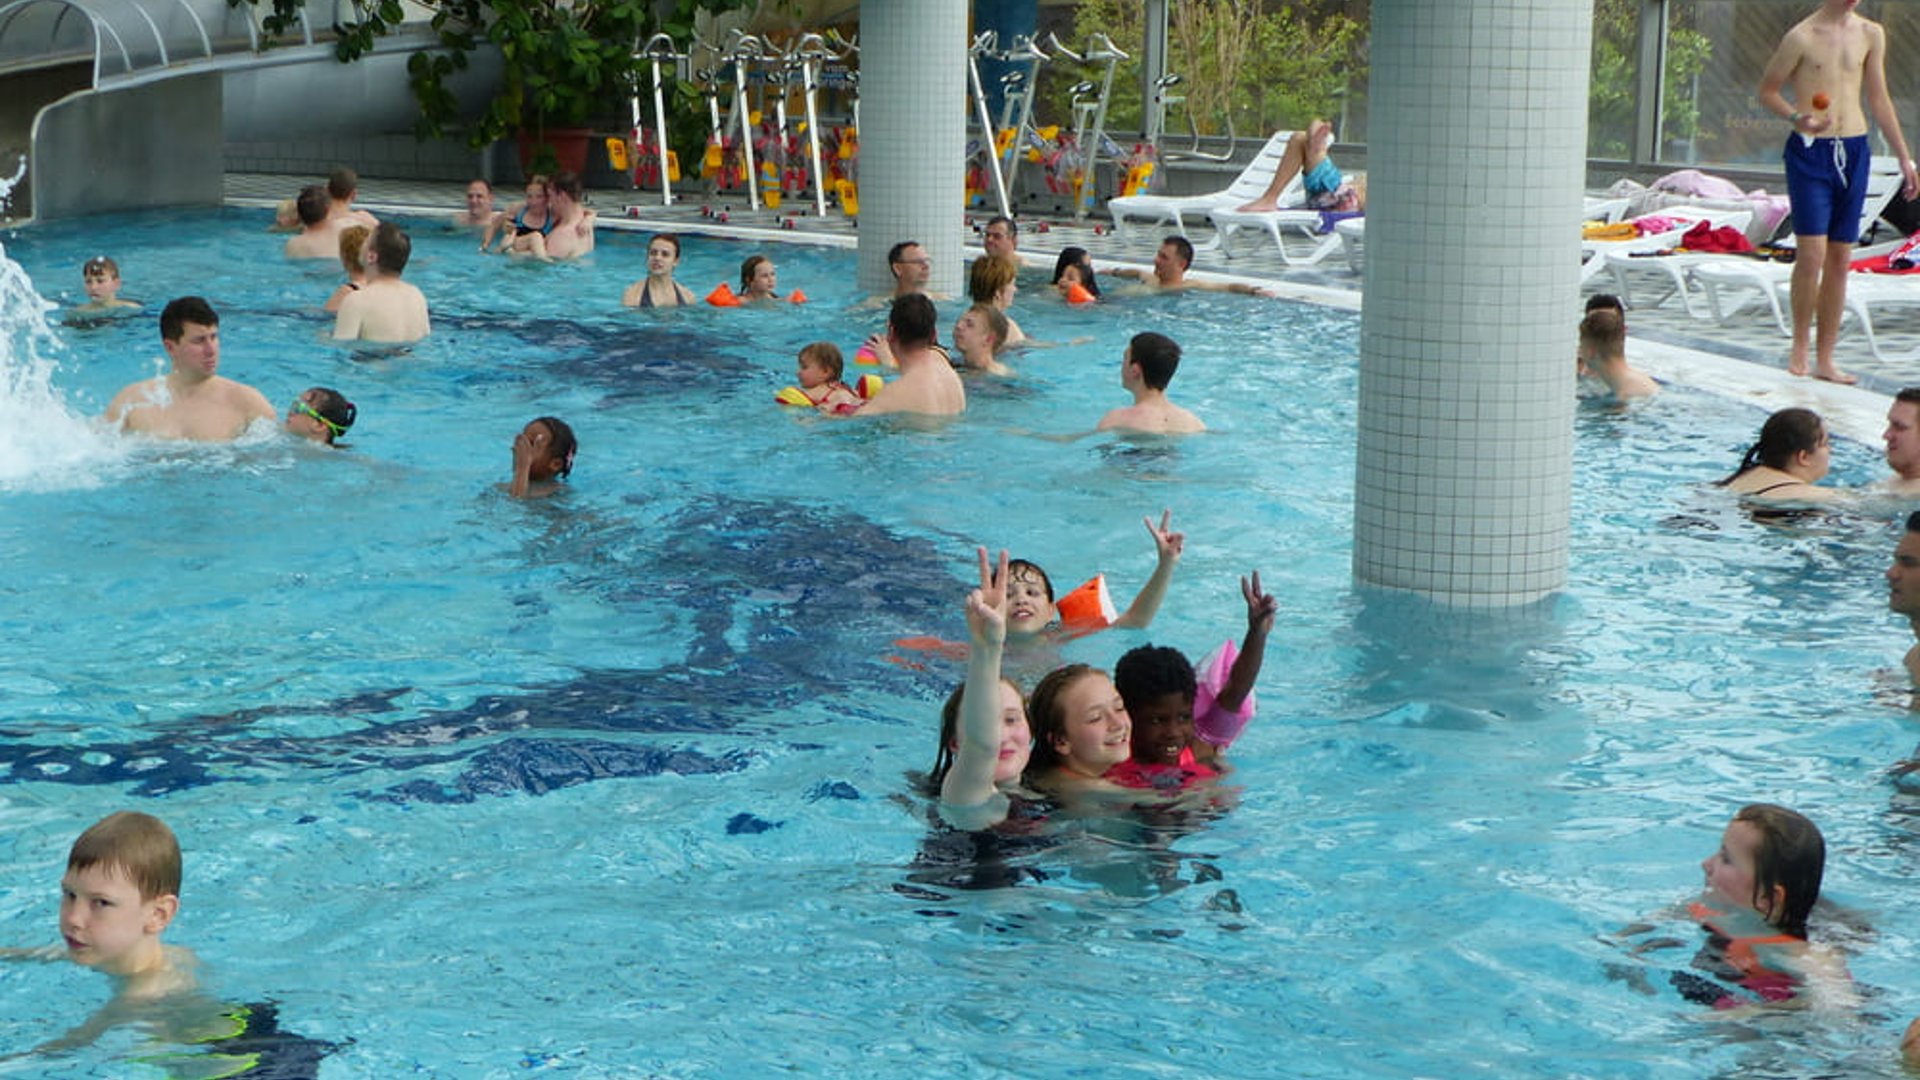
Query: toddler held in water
point(821, 366)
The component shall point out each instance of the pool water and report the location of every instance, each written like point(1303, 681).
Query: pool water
point(614, 783)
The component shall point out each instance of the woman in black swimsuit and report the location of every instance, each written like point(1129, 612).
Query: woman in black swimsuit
point(658, 289)
point(1791, 457)
point(530, 217)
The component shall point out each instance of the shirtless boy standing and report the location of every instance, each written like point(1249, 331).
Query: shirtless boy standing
point(1145, 370)
point(1830, 60)
point(191, 401)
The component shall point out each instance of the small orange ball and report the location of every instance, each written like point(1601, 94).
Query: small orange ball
point(1821, 101)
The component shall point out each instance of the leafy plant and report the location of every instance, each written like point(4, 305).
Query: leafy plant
point(565, 61)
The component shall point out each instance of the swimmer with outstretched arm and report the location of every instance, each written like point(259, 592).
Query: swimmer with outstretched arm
point(1031, 612)
point(985, 742)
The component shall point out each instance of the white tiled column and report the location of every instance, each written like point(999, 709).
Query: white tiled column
point(1476, 163)
point(913, 139)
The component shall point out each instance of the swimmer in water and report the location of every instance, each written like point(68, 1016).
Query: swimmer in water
point(120, 893)
point(352, 239)
point(1182, 725)
point(100, 276)
point(1789, 459)
point(321, 414)
point(542, 457)
point(991, 281)
point(1031, 612)
point(980, 332)
point(1761, 884)
point(984, 739)
point(191, 401)
point(758, 279)
point(1075, 267)
point(658, 289)
point(819, 371)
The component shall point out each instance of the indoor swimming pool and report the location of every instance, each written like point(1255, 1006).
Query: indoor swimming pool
point(616, 783)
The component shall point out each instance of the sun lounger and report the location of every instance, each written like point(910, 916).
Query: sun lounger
point(1352, 232)
point(1729, 282)
point(1596, 254)
point(1278, 225)
point(1248, 186)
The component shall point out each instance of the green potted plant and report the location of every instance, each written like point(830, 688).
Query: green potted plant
point(565, 62)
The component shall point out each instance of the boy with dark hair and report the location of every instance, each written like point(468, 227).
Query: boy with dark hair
point(386, 309)
point(1603, 354)
point(1145, 370)
point(100, 276)
point(927, 384)
point(191, 401)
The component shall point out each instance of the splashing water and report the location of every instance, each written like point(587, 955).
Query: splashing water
point(44, 444)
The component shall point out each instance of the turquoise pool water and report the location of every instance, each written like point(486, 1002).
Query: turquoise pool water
point(614, 784)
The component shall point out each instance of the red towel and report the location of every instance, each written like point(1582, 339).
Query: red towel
point(1723, 240)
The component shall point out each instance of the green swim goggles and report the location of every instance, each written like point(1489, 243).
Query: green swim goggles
point(300, 406)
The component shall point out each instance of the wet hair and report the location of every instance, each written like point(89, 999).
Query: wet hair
point(667, 238)
point(1158, 356)
point(997, 324)
point(1013, 227)
point(1791, 854)
point(1182, 247)
point(1605, 302)
point(1076, 256)
point(334, 406)
point(1017, 568)
point(390, 243)
point(1152, 670)
point(483, 182)
point(564, 445)
point(1605, 332)
point(99, 266)
point(747, 267)
point(342, 182)
point(1044, 716)
point(990, 274)
point(1786, 433)
point(138, 845)
point(541, 181)
point(352, 239)
point(827, 355)
point(567, 184)
point(950, 732)
point(899, 249)
point(312, 204)
point(183, 310)
point(1909, 395)
point(912, 318)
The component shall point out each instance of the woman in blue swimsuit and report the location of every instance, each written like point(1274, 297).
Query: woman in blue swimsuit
point(532, 217)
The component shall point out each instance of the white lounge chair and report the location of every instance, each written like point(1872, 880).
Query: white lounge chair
point(1248, 186)
point(1596, 255)
point(1352, 232)
point(1278, 225)
point(1727, 275)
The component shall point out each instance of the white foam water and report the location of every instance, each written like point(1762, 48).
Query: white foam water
point(44, 443)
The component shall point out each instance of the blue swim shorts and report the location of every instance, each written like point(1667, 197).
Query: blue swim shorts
point(1322, 178)
point(1827, 183)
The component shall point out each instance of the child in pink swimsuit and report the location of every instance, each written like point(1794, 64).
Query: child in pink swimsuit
point(1183, 720)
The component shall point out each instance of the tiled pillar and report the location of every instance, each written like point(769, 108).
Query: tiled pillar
point(1476, 162)
point(913, 114)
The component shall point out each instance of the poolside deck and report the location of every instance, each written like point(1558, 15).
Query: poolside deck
point(1745, 357)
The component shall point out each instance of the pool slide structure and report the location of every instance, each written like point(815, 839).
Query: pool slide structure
point(128, 104)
